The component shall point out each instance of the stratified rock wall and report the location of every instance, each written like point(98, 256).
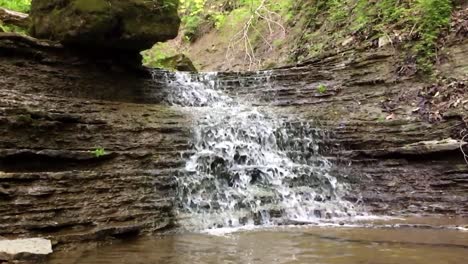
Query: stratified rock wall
point(396, 158)
point(52, 119)
point(56, 108)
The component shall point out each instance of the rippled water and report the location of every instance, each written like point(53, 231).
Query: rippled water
point(302, 245)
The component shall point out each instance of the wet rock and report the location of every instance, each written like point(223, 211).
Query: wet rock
point(131, 25)
point(75, 106)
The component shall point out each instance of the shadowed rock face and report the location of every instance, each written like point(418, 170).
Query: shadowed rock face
point(52, 118)
point(130, 25)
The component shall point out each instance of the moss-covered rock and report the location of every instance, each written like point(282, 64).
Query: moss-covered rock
point(131, 25)
point(178, 62)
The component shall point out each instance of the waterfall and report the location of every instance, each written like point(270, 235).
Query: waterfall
point(244, 168)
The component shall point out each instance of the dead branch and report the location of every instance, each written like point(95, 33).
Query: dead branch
point(242, 37)
point(18, 38)
point(463, 143)
point(14, 18)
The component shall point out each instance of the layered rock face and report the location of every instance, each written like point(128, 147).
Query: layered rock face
point(57, 108)
point(381, 138)
point(130, 25)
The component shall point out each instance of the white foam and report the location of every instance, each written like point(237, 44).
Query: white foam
point(241, 169)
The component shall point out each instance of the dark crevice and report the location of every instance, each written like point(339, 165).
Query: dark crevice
point(32, 162)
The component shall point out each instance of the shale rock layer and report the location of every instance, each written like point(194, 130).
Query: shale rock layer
point(87, 149)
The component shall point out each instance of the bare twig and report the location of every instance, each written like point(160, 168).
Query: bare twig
point(462, 143)
point(242, 37)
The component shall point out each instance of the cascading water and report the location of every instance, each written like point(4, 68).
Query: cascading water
point(243, 170)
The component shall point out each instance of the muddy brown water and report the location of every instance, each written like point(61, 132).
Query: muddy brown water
point(431, 241)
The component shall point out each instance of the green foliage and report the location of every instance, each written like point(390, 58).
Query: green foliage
point(432, 17)
point(16, 5)
point(156, 56)
point(191, 12)
point(337, 10)
point(195, 13)
point(219, 19)
point(191, 25)
point(381, 119)
point(99, 152)
point(362, 15)
point(321, 89)
point(419, 20)
point(12, 28)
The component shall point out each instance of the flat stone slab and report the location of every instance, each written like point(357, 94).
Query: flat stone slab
point(34, 246)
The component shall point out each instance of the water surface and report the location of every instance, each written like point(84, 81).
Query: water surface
point(380, 244)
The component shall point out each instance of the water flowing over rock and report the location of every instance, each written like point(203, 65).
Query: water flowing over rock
point(129, 25)
point(248, 166)
point(56, 108)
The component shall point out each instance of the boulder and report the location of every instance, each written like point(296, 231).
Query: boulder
point(178, 62)
point(128, 25)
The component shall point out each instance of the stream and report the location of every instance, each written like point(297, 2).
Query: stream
point(377, 243)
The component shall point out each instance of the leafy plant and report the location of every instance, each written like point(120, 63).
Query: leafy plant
point(16, 5)
point(99, 152)
point(381, 119)
point(12, 28)
point(321, 89)
point(337, 10)
point(219, 18)
point(433, 16)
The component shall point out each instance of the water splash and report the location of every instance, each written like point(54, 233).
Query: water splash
point(245, 169)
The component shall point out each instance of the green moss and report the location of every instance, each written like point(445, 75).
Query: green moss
point(12, 28)
point(24, 119)
point(423, 19)
point(156, 56)
point(16, 5)
point(433, 17)
point(338, 10)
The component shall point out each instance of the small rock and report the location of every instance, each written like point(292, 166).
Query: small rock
point(383, 41)
point(29, 247)
point(347, 41)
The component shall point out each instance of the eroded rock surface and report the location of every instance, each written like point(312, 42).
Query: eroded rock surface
point(52, 120)
point(57, 108)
